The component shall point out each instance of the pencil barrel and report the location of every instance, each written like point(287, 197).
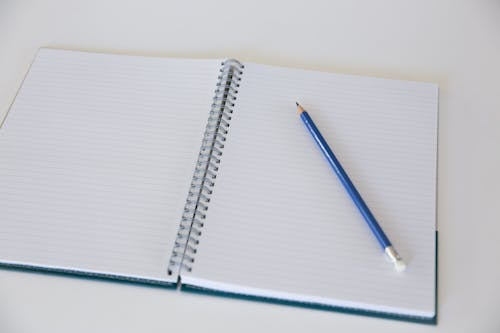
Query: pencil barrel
point(345, 180)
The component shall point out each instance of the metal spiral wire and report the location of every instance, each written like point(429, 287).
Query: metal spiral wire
point(207, 166)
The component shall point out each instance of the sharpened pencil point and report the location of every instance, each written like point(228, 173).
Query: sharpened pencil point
point(300, 109)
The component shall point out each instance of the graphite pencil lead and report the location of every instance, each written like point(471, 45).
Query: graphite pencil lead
point(300, 109)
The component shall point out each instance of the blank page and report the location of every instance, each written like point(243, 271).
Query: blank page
point(96, 158)
point(281, 225)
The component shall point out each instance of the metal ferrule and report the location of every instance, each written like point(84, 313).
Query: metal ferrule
point(392, 254)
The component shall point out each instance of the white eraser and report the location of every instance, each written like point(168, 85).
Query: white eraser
point(399, 265)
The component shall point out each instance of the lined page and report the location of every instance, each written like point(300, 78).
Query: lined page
point(281, 225)
point(96, 157)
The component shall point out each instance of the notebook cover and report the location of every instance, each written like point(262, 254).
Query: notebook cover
point(318, 306)
point(86, 275)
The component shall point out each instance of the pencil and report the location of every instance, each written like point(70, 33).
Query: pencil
point(377, 231)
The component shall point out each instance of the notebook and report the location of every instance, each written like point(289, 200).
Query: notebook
point(199, 174)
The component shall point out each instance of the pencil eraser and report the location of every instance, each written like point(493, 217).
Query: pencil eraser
point(399, 265)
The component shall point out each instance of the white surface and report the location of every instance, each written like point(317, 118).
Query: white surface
point(280, 221)
point(96, 159)
point(453, 43)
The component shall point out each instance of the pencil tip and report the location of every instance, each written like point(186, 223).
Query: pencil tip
point(300, 109)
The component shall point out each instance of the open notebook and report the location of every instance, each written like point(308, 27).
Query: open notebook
point(133, 168)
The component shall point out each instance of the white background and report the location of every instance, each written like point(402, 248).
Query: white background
point(453, 43)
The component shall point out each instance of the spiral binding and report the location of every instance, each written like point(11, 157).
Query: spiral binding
point(205, 173)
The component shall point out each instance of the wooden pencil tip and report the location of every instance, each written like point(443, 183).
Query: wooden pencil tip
point(300, 109)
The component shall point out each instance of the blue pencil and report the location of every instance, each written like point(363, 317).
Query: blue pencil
point(353, 193)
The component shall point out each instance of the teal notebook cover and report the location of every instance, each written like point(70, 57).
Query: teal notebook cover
point(317, 306)
point(206, 291)
point(87, 275)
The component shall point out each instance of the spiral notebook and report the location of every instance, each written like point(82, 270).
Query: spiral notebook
point(199, 173)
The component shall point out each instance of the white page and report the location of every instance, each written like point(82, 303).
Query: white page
point(96, 157)
point(281, 225)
